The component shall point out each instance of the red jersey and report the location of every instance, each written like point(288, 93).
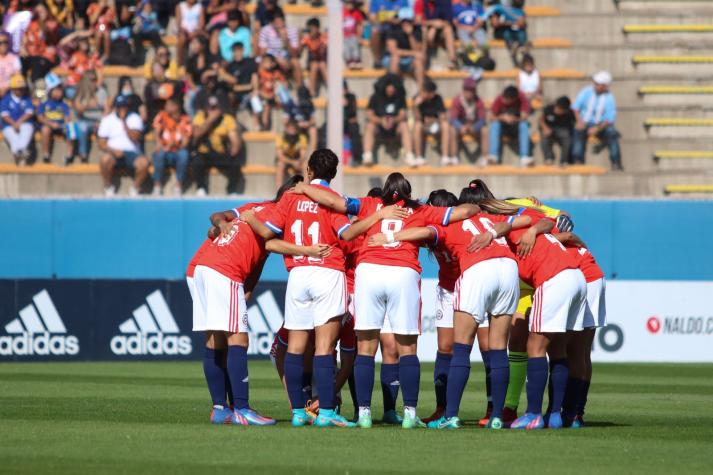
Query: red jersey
point(403, 254)
point(448, 266)
point(237, 254)
point(548, 257)
point(351, 254)
point(587, 264)
point(457, 236)
point(196, 257)
point(302, 221)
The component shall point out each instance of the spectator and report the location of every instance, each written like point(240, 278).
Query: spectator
point(217, 143)
point(146, 25)
point(557, 127)
point(17, 112)
point(200, 59)
point(595, 109)
point(353, 146)
point(101, 16)
point(39, 54)
point(263, 12)
point(173, 137)
point(190, 20)
point(315, 42)
point(270, 80)
point(240, 75)
point(210, 87)
point(468, 118)
point(509, 113)
point(234, 32)
point(9, 63)
point(136, 105)
point(158, 90)
point(119, 135)
point(430, 120)
point(352, 30)
point(438, 22)
point(282, 42)
point(291, 153)
point(162, 57)
point(529, 81)
point(468, 18)
point(53, 117)
point(63, 12)
point(90, 104)
point(510, 24)
point(81, 59)
point(404, 50)
point(302, 113)
point(16, 21)
point(383, 15)
point(387, 120)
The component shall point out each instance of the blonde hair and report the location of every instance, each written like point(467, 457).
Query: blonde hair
point(493, 206)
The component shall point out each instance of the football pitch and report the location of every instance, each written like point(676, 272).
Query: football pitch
point(153, 418)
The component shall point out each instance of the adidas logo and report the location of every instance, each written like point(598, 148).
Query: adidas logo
point(38, 330)
point(265, 319)
point(151, 331)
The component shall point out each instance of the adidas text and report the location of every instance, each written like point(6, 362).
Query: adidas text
point(39, 344)
point(157, 344)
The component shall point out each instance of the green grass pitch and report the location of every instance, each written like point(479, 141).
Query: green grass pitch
point(153, 418)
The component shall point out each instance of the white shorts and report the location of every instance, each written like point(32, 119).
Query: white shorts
point(387, 290)
point(218, 302)
point(314, 296)
point(558, 304)
point(490, 287)
point(444, 308)
point(595, 315)
point(386, 327)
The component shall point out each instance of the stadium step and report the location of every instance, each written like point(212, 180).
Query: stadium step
point(658, 28)
point(679, 154)
point(678, 122)
point(688, 189)
point(682, 59)
point(676, 89)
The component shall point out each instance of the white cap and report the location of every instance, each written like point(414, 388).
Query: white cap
point(602, 77)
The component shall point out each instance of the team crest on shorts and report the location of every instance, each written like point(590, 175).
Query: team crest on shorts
point(439, 315)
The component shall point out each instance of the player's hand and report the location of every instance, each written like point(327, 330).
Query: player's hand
point(393, 212)
point(213, 232)
point(480, 241)
point(246, 215)
point(527, 242)
point(378, 239)
point(319, 251)
point(299, 189)
point(226, 228)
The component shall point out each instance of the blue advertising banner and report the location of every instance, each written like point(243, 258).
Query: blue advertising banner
point(117, 320)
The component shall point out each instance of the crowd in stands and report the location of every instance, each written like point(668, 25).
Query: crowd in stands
point(232, 64)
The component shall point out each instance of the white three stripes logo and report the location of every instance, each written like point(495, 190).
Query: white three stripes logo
point(265, 316)
point(42, 317)
point(143, 321)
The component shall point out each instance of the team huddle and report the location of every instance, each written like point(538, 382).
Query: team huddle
point(511, 274)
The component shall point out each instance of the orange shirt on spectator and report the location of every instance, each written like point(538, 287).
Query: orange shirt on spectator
point(171, 132)
point(105, 18)
point(79, 63)
point(316, 46)
point(267, 80)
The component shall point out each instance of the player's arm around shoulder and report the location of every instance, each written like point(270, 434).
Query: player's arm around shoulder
point(321, 196)
point(360, 227)
point(429, 234)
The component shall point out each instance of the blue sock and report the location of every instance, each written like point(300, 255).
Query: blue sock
point(558, 375)
point(323, 367)
point(238, 375)
point(440, 377)
point(410, 379)
point(582, 399)
point(571, 397)
point(500, 376)
point(215, 375)
point(458, 374)
point(307, 384)
point(389, 385)
point(536, 382)
point(229, 388)
point(488, 380)
point(352, 392)
point(294, 367)
point(364, 378)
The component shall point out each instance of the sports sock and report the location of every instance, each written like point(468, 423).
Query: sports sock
point(458, 374)
point(389, 385)
point(323, 367)
point(364, 377)
point(488, 382)
point(559, 371)
point(294, 367)
point(229, 388)
point(352, 391)
point(582, 399)
point(499, 375)
point(238, 375)
point(215, 375)
point(518, 373)
point(536, 382)
point(440, 377)
point(410, 379)
point(307, 385)
point(571, 397)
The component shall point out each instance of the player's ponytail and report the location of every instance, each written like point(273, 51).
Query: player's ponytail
point(493, 206)
point(480, 190)
point(397, 188)
point(289, 184)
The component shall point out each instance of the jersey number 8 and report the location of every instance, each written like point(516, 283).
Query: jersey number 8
point(394, 226)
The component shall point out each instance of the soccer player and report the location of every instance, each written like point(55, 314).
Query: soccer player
point(388, 283)
point(316, 295)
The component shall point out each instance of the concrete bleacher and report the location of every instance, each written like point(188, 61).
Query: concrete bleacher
point(657, 51)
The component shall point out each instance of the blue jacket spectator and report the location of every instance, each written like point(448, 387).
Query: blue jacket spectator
point(469, 19)
point(53, 116)
point(17, 112)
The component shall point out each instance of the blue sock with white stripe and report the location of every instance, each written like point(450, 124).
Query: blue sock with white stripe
point(458, 375)
point(323, 368)
point(364, 378)
point(536, 382)
point(215, 375)
point(294, 367)
point(238, 374)
point(499, 376)
point(410, 379)
point(440, 377)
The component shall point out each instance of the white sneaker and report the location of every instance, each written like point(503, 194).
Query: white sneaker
point(109, 191)
point(491, 159)
point(200, 192)
point(411, 160)
point(445, 161)
point(527, 162)
point(133, 192)
point(367, 159)
point(156, 190)
point(454, 161)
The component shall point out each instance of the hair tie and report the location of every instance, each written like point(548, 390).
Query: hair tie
point(473, 185)
point(395, 195)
